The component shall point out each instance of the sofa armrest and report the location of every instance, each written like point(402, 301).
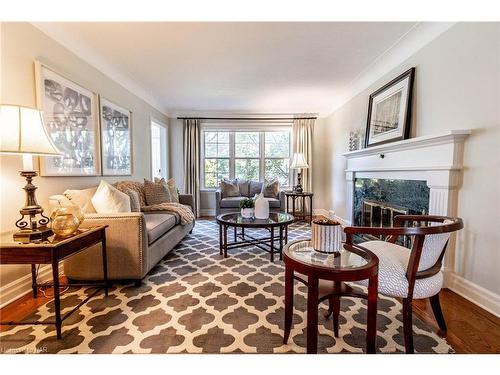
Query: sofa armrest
point(187, 199)
point(218, 197)
point(127, 244)
point(282, 199)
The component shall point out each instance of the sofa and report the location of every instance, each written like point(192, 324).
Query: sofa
point(136, 242)
point(247, 189)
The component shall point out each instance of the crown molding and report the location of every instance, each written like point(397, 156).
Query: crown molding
point(415, 39)
point(54, 31)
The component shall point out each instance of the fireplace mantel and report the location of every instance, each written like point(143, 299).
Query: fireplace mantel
point(438, 160)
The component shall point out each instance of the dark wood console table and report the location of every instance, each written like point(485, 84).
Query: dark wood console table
point(303, 214)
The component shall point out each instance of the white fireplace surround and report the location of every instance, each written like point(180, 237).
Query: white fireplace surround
point(438, 160)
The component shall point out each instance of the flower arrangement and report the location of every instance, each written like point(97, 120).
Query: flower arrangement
point(247, 208)
point(247, 203)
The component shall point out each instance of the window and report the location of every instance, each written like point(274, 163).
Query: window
point(158, 150)
point(249, 155)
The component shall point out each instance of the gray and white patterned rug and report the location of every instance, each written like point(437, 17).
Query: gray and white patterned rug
point(195, 301)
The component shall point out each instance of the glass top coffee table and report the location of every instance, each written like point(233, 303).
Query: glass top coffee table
point(276, 220)
point(325, 276)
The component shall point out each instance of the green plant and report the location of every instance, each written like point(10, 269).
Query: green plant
point(247, 203)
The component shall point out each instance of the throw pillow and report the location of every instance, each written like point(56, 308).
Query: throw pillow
point(135, 202)
point(244, 187)
point(83, 199)
point(229, 188)
point(109, 200)
point(172, 188)
point(271, 189)
point(137, 186)
point(254, 187)
point(156, 192)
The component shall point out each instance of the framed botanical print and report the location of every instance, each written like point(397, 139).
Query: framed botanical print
point(389, 111)
point(71, 120)
point(115, 139)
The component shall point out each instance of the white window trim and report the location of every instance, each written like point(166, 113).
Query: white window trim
point(155, 120)
point(248, 127)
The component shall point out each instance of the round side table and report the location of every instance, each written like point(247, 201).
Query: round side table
point(328, 273)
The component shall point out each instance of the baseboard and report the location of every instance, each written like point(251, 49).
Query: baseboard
point(207, 212)
point(478, 295)
point(18, 288)
point(320, 212)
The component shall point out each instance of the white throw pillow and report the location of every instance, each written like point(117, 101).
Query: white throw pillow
point(108, 199)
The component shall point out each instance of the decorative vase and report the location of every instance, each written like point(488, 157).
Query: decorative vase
point(261, 207)
point(64, 222)
point(247, 213)
point(326, 236)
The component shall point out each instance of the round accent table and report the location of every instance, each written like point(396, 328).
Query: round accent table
point(303, 214)
point(325, 276)
point(279, 220)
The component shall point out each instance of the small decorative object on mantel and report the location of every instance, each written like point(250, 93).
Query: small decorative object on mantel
point(247, 208)
point(326, 236)
point(261, 207)
point(389, 111)
point(356, 139)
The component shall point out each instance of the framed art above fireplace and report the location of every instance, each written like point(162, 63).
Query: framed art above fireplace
point(389, 111)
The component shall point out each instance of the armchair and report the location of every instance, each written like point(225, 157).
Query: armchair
point(411, 273)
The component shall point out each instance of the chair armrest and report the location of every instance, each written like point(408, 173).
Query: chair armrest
point(392, 233)
point(400, 219)
point(218, 197)
point(187, 199)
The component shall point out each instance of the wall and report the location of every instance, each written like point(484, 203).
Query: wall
point(456, 87)
point(21, 45)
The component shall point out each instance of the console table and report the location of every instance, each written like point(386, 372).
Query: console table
point(52, 251)
point(303, 214)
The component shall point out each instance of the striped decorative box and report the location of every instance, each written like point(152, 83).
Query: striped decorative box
point(326, 236)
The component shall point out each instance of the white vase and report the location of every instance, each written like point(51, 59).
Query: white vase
point(247, 213)
point(261, 207)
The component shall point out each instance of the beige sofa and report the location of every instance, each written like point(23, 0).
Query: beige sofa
point(136, 242)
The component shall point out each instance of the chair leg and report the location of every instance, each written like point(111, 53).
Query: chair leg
point(438, 314)
point(408, 325)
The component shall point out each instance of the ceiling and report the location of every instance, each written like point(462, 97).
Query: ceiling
point(277, 67)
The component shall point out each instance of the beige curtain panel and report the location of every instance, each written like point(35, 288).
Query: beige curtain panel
point(302, 133)
point(192, 161)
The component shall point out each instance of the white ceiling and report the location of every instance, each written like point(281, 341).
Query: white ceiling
point(278, 67)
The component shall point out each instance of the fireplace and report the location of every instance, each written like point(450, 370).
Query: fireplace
point(378, 201)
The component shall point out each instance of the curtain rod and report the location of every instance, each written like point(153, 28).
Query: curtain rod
point(247, 118)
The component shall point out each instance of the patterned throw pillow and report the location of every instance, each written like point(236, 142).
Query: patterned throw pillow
point(137, 186)
point(271, 189)
point(156, 192)
point(254, 188)
point(135, 202)
point(172, 188)
point(229, 188)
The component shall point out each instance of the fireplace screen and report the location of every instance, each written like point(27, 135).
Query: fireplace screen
point(378, 201)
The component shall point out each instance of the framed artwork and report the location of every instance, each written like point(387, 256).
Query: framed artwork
point(115, 139)
point(389, 111)
point(71, 120)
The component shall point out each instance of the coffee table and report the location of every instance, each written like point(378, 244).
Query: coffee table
point(328, 273)
point(279, 220)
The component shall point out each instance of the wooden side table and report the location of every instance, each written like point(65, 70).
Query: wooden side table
point(303, 214)
point(52, 252)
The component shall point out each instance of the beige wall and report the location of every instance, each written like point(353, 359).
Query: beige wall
point(21, 45)
point(456, 87)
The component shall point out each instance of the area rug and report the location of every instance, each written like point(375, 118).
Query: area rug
point(195, 301)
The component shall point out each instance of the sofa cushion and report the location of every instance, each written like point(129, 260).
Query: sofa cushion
point(243, 185)
point(156, 192)
point(157, 225)
point(254, 187)
point(109, 200)
point(231, 202)
point(82, 198)
point(135, 201)
point(271, 189)
point(273, 202)
point(132, 185)
point(229, 188)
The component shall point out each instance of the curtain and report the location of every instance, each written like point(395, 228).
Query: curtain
point(191, 138)
point(302, 133)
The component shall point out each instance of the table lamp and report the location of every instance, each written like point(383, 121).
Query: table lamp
point(23, 132)
point(299, 163)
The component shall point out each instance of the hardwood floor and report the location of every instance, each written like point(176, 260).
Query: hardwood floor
point(470, 328)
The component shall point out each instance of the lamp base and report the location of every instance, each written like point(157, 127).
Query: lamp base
point(37, 235)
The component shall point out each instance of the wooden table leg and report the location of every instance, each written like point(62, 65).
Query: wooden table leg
point(34, 285)
point(235, 234)
point(293, 206)
point(281, 242)
point(371, 326)
point(310, 209)
point(57, 301)
point(243, 232)
point(272, 244)
point(286, 234)
point(288, 303)
point(220, 239)
point(225, 241)
point(312, 315)
point(104, 262)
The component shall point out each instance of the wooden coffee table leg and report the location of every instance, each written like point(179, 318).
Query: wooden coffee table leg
point(225, 241)
point(104, 262)
point(286, 234)
point(34, 285)
point(57, 302)
point(281, 242)
point(312, 315)
point(220, 239)
point(272, 243)
point(235, 234)
point(288, 303)
point(371, 327)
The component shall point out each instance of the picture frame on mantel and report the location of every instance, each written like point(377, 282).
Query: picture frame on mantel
point(71, 118)
point(390, 110)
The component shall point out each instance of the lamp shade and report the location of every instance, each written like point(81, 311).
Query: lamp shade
point(298, 161)
point(22, 132)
